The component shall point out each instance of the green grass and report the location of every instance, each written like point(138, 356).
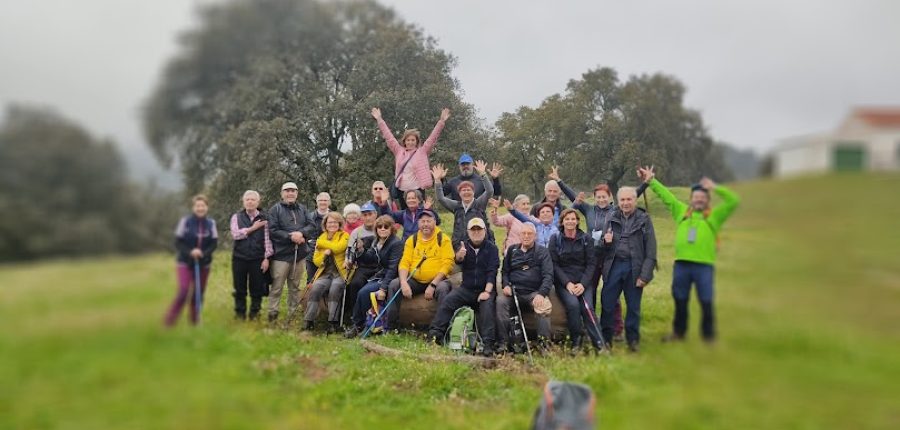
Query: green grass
point(808, 286)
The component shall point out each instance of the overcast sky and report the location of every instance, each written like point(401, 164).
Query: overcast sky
point(758, 70)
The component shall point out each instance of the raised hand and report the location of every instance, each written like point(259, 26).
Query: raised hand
point(494, 203)
point(580, 199)
point(554, 173)
point(445, 114)
point(646, 173)
point(438, 171)
point(428, 203)
point(496, 170)
point(376, 113)
point(481, 167)
point(507, 204)
point(707, 183)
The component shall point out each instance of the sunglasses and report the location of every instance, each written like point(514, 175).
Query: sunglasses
point(384, 227)
point(377, 189)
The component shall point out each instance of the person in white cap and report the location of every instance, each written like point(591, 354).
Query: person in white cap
point(289, 228)
point(480, 261)
point(352, 217)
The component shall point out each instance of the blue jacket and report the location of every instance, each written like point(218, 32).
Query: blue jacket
point(409, 222)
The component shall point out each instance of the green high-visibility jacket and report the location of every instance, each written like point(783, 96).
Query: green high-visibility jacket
point(703, 249)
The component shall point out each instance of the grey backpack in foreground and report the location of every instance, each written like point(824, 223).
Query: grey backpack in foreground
point(565, 405)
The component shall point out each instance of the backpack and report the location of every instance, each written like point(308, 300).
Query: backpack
point(463, 334)
point(565, 405)
point(381, 325)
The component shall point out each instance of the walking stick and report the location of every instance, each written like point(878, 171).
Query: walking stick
point(522, 322)
point(198, 294)
point(593, 319)
point(388, 304)
point(344, 297)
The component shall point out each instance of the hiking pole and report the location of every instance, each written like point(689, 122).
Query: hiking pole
point(198, 295)
point(593, 319)
point(346, 285)
point(388, 304)
point(522, 322)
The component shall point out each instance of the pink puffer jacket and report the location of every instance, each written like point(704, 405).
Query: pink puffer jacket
point(419, 163)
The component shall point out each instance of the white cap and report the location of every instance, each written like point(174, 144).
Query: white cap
point(475, 222)
point(352, 208)
point(289, 186)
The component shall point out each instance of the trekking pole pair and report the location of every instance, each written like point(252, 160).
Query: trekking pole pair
point(394, 297)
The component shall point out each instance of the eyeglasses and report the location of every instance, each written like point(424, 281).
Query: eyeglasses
point(383, 227)
point(377, 188)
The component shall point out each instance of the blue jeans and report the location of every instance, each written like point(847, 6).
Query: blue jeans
point(684, 275)
point(621, 280)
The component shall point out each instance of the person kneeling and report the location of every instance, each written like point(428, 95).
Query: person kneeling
point(480, 260)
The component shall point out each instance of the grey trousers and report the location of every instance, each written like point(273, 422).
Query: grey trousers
point(281, 273)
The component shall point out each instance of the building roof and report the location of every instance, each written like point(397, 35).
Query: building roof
point(880, 117)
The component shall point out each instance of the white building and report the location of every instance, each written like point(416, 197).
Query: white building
point(868, 139)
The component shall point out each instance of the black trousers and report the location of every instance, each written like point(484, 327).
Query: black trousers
point(248, 277)
point(360, 278)
point(484, 310)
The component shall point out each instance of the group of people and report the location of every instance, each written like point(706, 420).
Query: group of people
point(345, 257)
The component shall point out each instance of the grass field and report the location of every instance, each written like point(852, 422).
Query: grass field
point(808, 288)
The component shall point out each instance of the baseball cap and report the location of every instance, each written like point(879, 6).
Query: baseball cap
point(426, 212)
point(465, 158)
point(476, 222)
point(367, 207)
point(289, 186)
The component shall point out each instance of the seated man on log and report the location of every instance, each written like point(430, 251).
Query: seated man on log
point(529, 269)
point(428, 256)
point(479, 259)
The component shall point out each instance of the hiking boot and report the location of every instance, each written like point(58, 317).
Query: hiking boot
point(333, 327)
point(577, 341)
point(487, 351)
point(599, 346)
point(619, 337)
point(673, 337)
point(352, 332)
point(634, 346)
point(309, 326)
point(435, 338)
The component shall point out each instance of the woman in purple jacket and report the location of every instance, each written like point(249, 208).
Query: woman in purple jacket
point(411, 168)
point(195, 240)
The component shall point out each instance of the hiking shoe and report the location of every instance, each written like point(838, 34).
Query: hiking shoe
point(619, 337)
point(351, 332)
point(672, 337)
point(634, 346)
point(577, 342)
point(333, 327)
point(487, 351)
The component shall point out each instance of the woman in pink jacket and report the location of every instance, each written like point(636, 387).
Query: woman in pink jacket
point(411, 168)
point(513, 226)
